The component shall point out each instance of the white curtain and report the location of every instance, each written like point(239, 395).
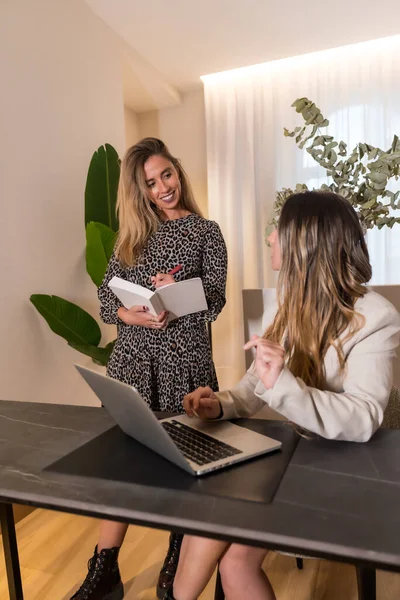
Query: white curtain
point(358, 89)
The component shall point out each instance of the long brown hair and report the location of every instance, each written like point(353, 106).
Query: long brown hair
point(138, 219)
point(324, 266)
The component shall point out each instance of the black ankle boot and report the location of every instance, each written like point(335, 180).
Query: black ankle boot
point(167, 573)
point(103, 581)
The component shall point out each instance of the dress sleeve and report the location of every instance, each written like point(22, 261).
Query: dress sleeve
point(214, 270)
point(109, 303)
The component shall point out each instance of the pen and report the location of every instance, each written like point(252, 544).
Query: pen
point(175, 270)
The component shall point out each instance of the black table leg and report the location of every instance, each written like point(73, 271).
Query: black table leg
point(219, 592)
point(209, 335)
point(366, 580)
point(11, 551)
point(299, 563)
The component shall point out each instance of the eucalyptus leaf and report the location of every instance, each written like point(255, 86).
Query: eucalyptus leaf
point(377, 187)
point(288, 133)
point(373, 153)
point(308, 137)
point(317, 141)
point(300, 104)
point(332, 158)
point(368, 204)
point(377, 177)
point(382, 221)
point(364, 185)
point(352, 159)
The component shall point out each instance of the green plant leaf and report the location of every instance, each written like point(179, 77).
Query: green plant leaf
point(100, 355)
point(100, 241)
point(67, 320)
point(101, 187)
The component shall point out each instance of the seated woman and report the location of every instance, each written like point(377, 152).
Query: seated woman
point(324, 364)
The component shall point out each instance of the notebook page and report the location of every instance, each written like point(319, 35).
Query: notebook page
point(183, 298)
point(131, 294)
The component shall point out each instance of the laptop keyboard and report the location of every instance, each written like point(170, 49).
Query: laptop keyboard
point(197, 446)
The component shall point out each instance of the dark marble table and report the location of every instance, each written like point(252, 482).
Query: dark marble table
point(336, 500)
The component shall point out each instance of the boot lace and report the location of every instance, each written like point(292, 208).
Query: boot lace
point(95, 569)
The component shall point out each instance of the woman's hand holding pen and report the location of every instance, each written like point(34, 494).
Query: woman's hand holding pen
point(162, 279)
point(269, 360)
point(202, 403)
point(140, 315)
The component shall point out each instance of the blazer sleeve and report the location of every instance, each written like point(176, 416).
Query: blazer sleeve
point(214, 270)
point(109, 303)
point(241, 401)
point(355, 413)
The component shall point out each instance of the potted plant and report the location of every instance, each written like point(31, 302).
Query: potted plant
point(70, 321)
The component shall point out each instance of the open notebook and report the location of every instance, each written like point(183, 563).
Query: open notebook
point(179, 299)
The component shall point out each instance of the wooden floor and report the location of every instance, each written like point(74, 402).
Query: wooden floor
point(54, 548)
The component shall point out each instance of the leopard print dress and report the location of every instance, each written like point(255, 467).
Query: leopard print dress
point(165, 365)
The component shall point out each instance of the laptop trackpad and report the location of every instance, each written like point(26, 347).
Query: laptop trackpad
point(115, 456)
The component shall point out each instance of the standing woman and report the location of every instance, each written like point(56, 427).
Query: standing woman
point(161, 229)
point(325, 364)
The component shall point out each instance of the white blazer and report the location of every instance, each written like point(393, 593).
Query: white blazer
point(352, 405)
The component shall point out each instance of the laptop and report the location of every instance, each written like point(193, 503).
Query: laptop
point(195, 445)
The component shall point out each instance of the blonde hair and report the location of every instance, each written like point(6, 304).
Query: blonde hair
point(138, 218)
point(324, 266)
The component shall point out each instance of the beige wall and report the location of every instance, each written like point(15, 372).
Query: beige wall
point(182, 128)
point(131, 120)
point(62, 98)
point(149, 124)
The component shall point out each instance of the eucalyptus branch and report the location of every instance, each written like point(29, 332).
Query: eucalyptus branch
point(360, 176)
